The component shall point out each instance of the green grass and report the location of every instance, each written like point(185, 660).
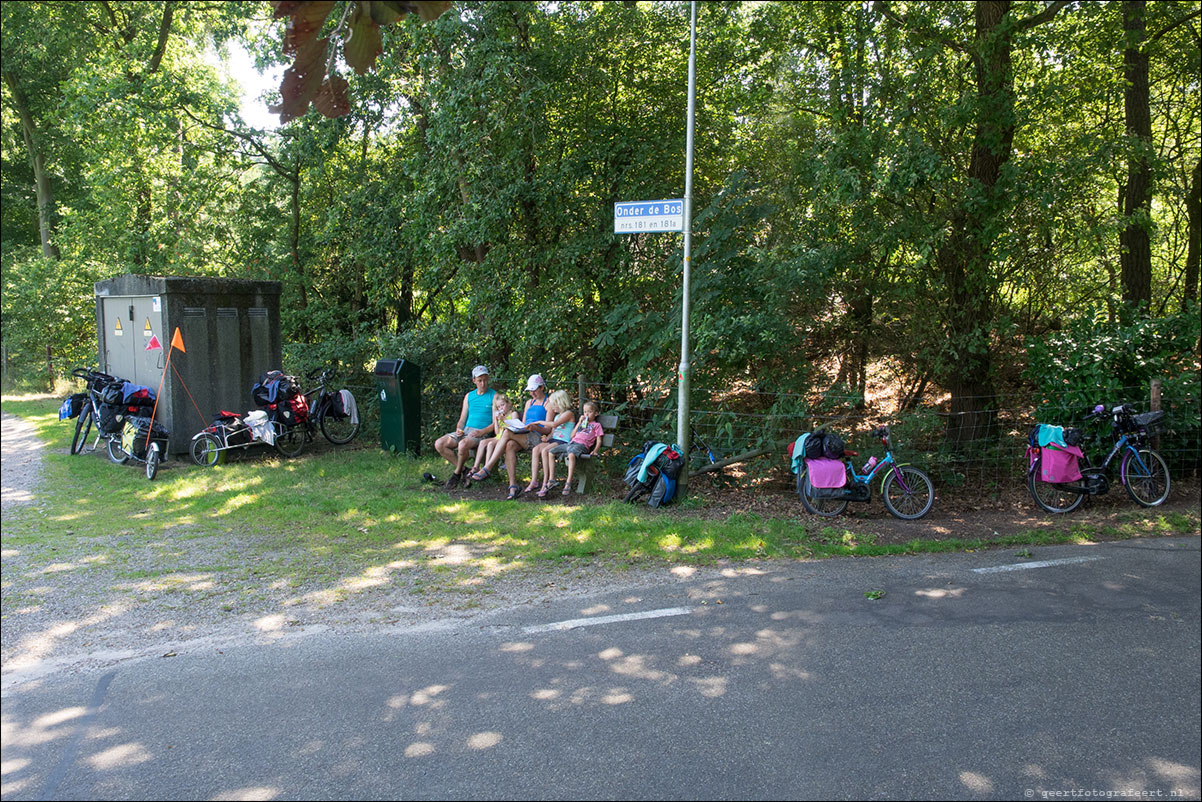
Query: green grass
point(363, 515)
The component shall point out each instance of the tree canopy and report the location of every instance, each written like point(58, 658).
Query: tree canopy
point(907, 193)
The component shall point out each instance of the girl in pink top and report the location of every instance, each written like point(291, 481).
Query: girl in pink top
point(586, 439)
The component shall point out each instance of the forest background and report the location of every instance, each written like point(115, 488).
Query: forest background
point(959, 217)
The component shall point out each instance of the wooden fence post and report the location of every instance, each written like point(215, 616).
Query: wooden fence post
point(1155, 406)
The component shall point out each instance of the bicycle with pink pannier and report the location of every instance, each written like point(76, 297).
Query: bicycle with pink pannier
point(828, 481)
point(1059, 475)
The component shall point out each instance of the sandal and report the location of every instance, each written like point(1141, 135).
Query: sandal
point(480, 475)
point(542, 493)
point(567, 490)
point(530, 488)
point(514, 492)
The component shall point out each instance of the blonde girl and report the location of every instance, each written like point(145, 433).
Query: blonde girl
point(502, 411)
point(562, 421)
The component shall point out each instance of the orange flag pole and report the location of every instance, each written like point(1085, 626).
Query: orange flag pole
point(177, 341)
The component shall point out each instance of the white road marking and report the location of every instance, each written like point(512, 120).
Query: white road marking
point(607, 619)
point(1041, 564)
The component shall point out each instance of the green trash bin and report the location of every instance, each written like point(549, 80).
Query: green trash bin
point(400, 385)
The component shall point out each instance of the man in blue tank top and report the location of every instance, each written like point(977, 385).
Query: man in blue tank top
point(475, 423)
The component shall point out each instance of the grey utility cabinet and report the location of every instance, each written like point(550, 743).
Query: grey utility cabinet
point(230, 330)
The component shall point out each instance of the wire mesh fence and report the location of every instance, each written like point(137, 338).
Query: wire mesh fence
point(985, 456)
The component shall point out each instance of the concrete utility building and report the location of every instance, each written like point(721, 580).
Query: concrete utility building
point(230, 329)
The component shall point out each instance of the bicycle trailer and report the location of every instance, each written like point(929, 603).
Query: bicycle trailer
point(140, 433)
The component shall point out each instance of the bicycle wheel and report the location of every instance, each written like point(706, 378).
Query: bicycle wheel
point(115, 451)
point(290, 441)
point(206, 450)
point(826, 507)
point(152, 461)
point(1051, 497)
point(338, 429)
point(83, 428)
point(912, 501)
point(1148, 484)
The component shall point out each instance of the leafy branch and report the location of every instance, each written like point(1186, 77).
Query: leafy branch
point(312, 77)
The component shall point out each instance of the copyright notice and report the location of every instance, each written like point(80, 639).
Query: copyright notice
point(1092, 793)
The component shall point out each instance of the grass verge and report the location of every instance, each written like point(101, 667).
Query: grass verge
point(344, 519)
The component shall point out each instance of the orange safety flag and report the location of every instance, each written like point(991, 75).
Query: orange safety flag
point(177, 341)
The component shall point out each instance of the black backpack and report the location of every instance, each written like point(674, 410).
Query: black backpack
point(833, 446)
point(824, 444)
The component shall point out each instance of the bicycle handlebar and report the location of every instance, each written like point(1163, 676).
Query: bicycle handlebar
point(1117, 411)
point(323, 373)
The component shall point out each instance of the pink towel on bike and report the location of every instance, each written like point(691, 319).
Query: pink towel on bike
point(1059, 465)
point(826, 472)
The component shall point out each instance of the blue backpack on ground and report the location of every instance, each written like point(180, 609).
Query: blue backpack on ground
point(653, 474)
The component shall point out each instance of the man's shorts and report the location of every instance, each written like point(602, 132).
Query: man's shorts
point(477, 433)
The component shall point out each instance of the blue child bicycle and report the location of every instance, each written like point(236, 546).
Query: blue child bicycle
point(907, 491)
point(1141, 470)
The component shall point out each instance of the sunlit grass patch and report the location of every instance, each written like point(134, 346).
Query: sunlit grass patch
point(348, 521)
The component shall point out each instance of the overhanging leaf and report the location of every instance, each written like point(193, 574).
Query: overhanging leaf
point(430, 10)
point(332, 100)
point(385, 12)
point(364, 42)
point(301, 80)
point(307, 19)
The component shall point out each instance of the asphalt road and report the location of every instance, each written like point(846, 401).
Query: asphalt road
point(1070, 674)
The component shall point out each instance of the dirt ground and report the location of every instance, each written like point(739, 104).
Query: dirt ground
point(961, 515)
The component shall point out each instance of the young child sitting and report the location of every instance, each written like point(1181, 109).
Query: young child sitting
point(586, 439)
point(503, 411)
point(562, 419)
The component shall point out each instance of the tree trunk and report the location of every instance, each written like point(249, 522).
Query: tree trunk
point(1191, 259)
point(293, 178)
point(965, 260)
point(1135, 249)
point(37, 161)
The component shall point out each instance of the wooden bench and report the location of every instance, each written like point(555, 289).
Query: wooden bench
point(584, 463)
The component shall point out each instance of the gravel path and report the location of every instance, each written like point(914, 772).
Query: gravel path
point(64, 612)
point(21, 465)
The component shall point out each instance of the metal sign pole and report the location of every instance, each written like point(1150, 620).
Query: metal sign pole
point(683, 430)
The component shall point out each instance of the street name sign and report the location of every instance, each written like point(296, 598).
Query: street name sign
point(641, 217)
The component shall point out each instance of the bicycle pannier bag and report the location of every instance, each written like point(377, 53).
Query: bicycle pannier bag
point(111, 418)
point(134, 436)
point(826, 473)
point(1058, 465)
point(815, 445)
point(72, 406)
point(299, 406)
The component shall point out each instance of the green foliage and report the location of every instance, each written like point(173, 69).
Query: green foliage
point(47, 309)
point(462, 211)
point(1093, 361)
